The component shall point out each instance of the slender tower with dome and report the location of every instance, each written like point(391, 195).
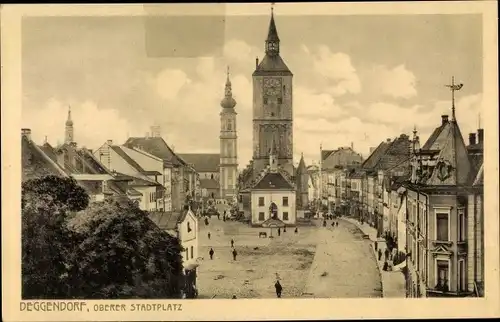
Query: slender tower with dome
point(69, 131)
point(228, 144)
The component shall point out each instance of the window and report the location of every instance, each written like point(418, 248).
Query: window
point(461, 225)
point(229, 125)
point(261, 216)
point(192, 252)
point(285, 201)
point(261, 201)
point(187, 253)
point(442, 227)
point(461, 275)
point(188, 227)
point(280, 100)
point(241, 198)
point(285, 215)
point(442, 276)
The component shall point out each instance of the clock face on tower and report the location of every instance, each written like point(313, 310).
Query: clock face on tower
point(272, 87)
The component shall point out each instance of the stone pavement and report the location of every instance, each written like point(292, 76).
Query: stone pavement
point(343, 266)
point(393, 282)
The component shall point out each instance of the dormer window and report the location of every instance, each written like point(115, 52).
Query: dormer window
point(188, 227)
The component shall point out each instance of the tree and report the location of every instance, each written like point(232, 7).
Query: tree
point(123, 254)
point(45, 205)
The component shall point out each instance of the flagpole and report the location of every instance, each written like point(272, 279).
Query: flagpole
point(453, 98)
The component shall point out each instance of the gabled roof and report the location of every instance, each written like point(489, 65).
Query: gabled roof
point(35, 163)
point(434, 141)
point(456, 166)
point(375, 157)
point(155, 146)
point(137, 182)
point(326, 153)
point(133, 192)
point(92, 162)
point(167, 220)
point(272, 181)
point(202, 162)
point(396, 154)
point(120, 151)
point(209, 184)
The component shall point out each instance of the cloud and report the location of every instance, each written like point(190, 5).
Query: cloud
point(311, 105)
point(337, 68)
point(169, 82)
point(397, 82)
point(92, 125)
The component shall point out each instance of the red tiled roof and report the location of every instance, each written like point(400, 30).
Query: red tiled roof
point(202, 162)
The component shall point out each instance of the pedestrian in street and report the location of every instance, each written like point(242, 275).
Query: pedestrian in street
point(278, 288)
point(232, 243)
point(284, 229)
point(296, 230)
point(279, 231)
point(386, 253)
point(234, 254)
point(375, 244)
point(386, 265)
point(218, 215)
point(209, 235)
point(379, 254)
point(234, 297)
point(333, 223)
point(337, 223)
point(211, 253)
point(324, 223)
point(206, 221)
point(224, 218)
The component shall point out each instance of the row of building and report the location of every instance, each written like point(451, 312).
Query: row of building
point(424, 199)
point(145, 170)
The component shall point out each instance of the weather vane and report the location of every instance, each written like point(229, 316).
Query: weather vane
point(453, 87)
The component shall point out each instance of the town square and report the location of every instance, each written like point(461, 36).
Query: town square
point(255, 156)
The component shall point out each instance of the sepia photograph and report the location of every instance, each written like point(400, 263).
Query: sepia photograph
point(255, 155)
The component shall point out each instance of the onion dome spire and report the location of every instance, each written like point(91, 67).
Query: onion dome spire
point(69, 122)
point(228, 101)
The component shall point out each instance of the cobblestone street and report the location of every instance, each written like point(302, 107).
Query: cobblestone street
point(321, 262)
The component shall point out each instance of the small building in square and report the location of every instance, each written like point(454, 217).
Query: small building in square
point(273, 196)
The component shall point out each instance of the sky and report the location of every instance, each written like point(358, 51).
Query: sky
point(358, 79)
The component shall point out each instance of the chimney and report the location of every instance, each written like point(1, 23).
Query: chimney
point(109, 142)
point(444, 119)
point(352, 146)
point(480, 135)
point(472, 138)
point(256, 62)
point(26, 133)
point(388, 140)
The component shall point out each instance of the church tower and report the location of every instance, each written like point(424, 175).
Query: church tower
point(272, 106)
point(302, 181)
point(68, 133)
point(228, 146)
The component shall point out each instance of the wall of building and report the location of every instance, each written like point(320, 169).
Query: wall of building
point(189, 238)
point(277, 198)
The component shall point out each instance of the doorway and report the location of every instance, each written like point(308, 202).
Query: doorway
point(273, 210)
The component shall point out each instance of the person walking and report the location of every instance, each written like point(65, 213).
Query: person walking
point(375, 244)
point(324, 223)
point(234, 254)
point(386, 253)
point(209, 235)
point(278, 288)
point(296, 230)
point(337, 223)
point(379, 254)
point(232, 243)
point(284, 229)
point(279, 231)
point(211, 253)
point(333, 223)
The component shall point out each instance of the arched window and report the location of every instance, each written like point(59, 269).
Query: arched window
point(229, 125)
